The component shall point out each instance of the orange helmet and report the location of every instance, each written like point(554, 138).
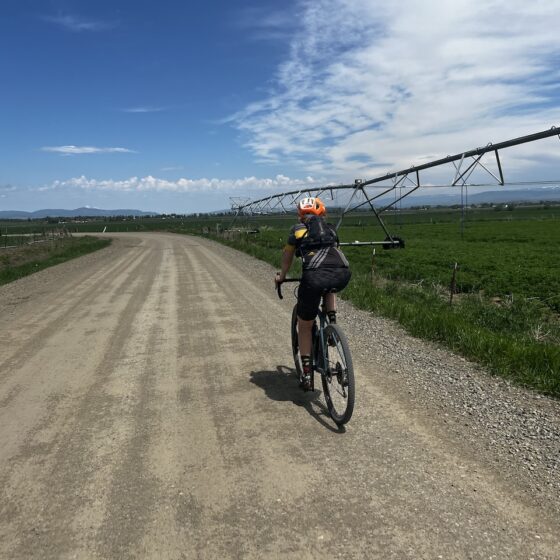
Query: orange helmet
point(312, 206)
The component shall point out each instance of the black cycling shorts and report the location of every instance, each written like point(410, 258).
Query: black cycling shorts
point(315, 283)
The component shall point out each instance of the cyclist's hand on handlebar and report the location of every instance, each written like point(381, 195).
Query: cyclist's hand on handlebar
point(278, 280)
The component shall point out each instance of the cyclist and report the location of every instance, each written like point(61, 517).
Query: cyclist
point(325, 270)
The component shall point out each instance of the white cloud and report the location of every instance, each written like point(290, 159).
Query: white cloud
point(149, 183)
point(78, 24)
point(371, 86)
point(143, 109)
point(72, 150)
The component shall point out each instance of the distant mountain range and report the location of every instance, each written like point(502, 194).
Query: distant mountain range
point(78, 212)
point(504, 196)
point(518, 195)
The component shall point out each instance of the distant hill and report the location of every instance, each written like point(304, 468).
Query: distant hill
point(503, 196)
point(78, 212)
point(517, 195)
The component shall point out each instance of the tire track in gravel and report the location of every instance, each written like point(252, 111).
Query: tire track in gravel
point(68, 302)
point(60, 332)
point(216, 500)
point(46, 484)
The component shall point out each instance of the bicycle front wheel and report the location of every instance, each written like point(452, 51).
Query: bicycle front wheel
point(338, 378)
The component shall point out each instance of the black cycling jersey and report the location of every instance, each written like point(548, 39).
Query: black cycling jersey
point(316, 257)
point(325, 268)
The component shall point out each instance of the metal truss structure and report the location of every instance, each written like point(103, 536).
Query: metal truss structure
point(399, 184)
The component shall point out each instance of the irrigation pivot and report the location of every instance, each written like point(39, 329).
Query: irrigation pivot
point(400, 184)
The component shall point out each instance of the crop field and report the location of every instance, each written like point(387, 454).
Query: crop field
point(14, 228)
point(503, 259)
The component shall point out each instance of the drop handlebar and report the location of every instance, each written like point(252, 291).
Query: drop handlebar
point(279, 285)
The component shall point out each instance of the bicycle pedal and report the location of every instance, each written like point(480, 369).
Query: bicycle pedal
point(305, 382)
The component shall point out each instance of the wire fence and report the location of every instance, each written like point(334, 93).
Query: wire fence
point(13, 239)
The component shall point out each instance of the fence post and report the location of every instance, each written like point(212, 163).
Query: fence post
point(453, 285)
point(372, 264)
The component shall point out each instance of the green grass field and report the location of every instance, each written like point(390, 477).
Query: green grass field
point(499, 259)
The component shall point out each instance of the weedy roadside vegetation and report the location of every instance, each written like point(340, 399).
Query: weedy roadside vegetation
point(26, 259)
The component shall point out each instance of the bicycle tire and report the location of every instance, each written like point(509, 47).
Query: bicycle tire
point(339, 387)
point(295, 344)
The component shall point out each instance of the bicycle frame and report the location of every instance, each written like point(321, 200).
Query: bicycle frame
point(319, 352)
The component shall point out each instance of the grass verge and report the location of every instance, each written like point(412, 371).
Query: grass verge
point(506, 348)
point(22, 261)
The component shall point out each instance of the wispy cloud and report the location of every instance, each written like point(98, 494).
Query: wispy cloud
point(263, 24)
point(375, 89)
point(77, 24)
point(172, 168)
point(5, 189)
point(144, 109)
point(150, 183)
point(73, 150)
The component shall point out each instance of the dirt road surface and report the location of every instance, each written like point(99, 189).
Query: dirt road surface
point(149, 409)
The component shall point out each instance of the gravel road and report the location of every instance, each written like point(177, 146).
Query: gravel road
point(149, 409)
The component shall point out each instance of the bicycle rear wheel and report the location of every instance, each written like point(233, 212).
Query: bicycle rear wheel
point(295, 344)
point(338, 379)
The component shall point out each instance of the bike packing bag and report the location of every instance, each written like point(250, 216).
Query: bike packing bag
point(319, 234)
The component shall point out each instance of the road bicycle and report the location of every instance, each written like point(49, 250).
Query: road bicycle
point(331, 360)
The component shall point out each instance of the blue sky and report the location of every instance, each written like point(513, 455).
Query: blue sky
point(175, 106)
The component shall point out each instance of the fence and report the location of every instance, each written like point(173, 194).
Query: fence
point(12, 239)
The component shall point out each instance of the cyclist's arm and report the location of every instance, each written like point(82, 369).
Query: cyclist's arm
point(287, 260)
point(296, 234)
